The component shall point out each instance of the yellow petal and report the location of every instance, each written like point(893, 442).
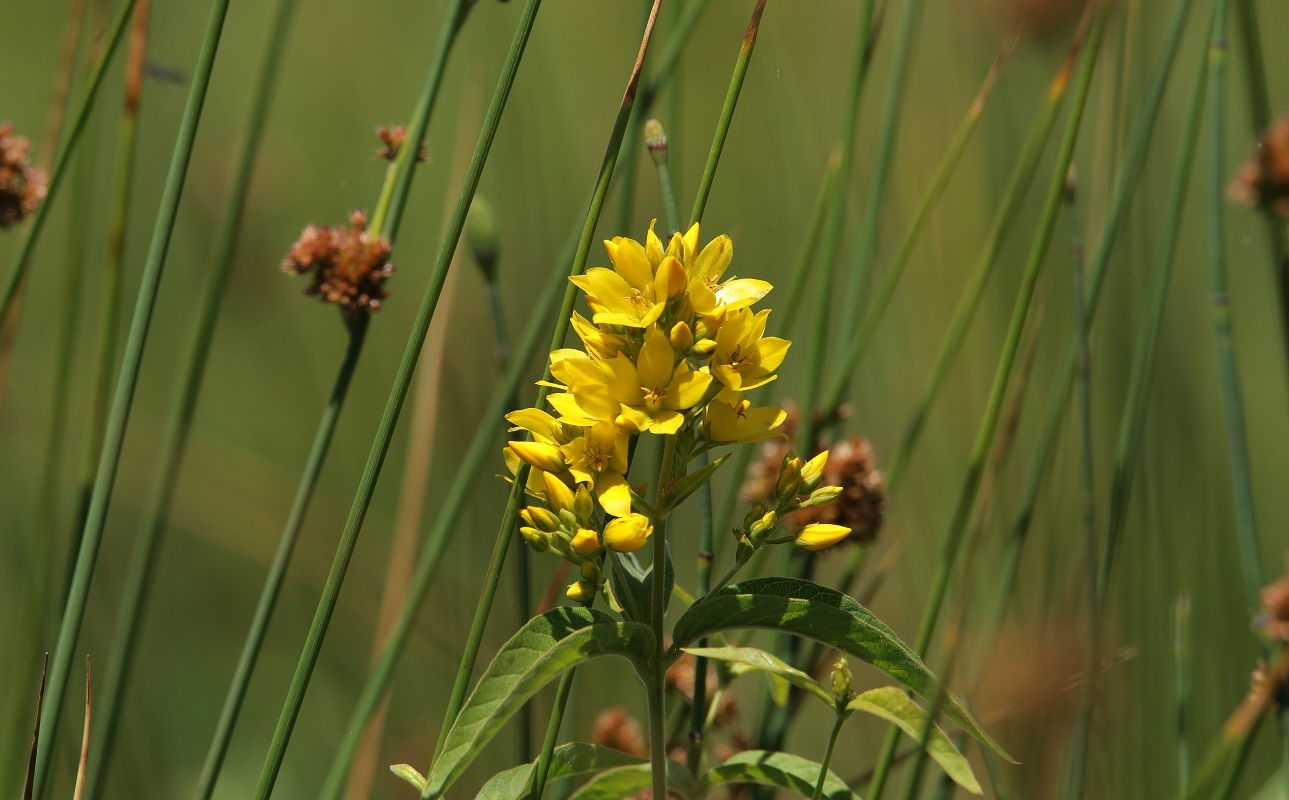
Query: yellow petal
point(570, 411)
point(741, 292)
point(543, 456)
point(691, 243)
point(715, 258)
point(772, 349)
point(629, 261)
point(686, 390)
point(701, 297)
point(657, 361)
point(558, 495)
point(623, 382)
point(728, 376)
point(670, 280)
point(614, 494)
point(535, 420)
point(666, 421)
point(634, 419)
point(653, 246)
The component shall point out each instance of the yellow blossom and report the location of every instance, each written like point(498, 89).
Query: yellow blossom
point(820, 535)
point(625, 294)
point(628, 534)
point(600, 459)
point(744, 358)
point(726, 424)
point(707, 293)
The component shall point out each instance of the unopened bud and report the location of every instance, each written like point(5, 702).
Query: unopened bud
point(813, 470)
point(536, 539)
point(820, 535)
point(670, 280)
point(821, 496)
point(580, 592)
point(762, 527)
point(585, 541)
point(540, 518)
point(543, 456)
point(841, 680)
point(558, 495)
point(681, 337)
point(704, 347)
point(656, 140)
point(583, 504)
point(590, 572)
point(789, 482)
point(481, 236)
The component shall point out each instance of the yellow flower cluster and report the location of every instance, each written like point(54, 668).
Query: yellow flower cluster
point(670, 348)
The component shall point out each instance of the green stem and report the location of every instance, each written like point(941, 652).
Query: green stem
point(883, 159)
point(541, 771)
point(26, 246)
point(657, 615)
point(1182, 689)
point(125, 387)
point(1228, 369)
point(277, 570)
point(631, 146)
point(389, 418)
point(989, 423)
point(388, 213)
point(727, 111)
point(446, 518)
point(823, 765)
point(504, 534)
point(706, 544)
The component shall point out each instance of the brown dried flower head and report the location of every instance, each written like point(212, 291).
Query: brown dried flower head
point(22, 186)
point(619, 730)
point(349, 266)
point(392, 139)
point(1274, 619)
point(1263, 180)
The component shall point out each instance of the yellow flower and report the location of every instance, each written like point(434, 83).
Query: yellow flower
point(744, 358)
point(585, 542)
point(600, 459)
point(649, 395)
point(726, 424)
point(623, 295)
point(820, 535)
point(599, 344)
point(707, 293)
point(628, 534)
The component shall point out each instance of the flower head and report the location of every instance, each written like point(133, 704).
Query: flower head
point(349, 266)
point(22, 186)
point(1263, 180)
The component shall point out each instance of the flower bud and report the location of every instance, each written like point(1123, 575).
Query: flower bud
point(628, 534)
point(585, 541)
point(704, 347)
point(813, 470)
point(670, 280)
point(841, 681)
point(590, 572)
point(681, 337)
point(763, 526)
point(820, 535)
point(580, 592)
point(568, 521)
point(536, 539)
point(540, 455)
point(656, 140)
point(583, 504)
point(789, 482)
point(540, 518)
point(821, 496)
point(481, 236)
point(558, 495)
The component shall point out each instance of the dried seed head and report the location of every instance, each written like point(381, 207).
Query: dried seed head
point(349, 266)
point(22, 186)
point(1274, 619)
point(1263, 180)
point(392, 141)
point(619, 730)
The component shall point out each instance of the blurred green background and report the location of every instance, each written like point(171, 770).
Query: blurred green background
point(352, 66)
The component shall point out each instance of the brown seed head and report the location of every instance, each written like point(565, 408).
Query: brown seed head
point(22, 186)
point(348, 265)
point(392, 139)
point(1274, 618)
point(1263, 180)
point(619, 730)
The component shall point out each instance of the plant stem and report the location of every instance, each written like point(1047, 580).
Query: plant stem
point(1182, 689)
point(505, 531)
point(31, 234)
point(631, 146)
point(727, 110)
point(541, 770)
point(823, 765)
point(126, 384)
point(657, 616)
point(393, 406)
point(989, 422)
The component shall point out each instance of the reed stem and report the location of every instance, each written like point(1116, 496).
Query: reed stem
point(657, 616)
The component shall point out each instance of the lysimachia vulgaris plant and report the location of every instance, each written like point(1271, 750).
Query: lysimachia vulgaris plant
point(671, 349)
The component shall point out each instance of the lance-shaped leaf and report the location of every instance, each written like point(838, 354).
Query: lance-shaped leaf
point(895, 707)
point(754, 659)
point(826, 615)
point(615, 784)
point(691, 483)
point(541, 650)
point(782, 770)
point(567, 760)
point(632, 584)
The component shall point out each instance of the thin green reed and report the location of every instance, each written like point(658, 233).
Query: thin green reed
point(1246, 529)
point(863, 335)
point(31, 234)
point(124, 396)
point(127, 146)
point(1135, 152)
point(389, 419)
point(480, 453)
point(1080, 740)
point(505, 530)
point(1022, 175)
point(631, 146)
point(1182, 689)
point(883, 159)
point(989, 422)
point(390, 211)
point(1259, 97)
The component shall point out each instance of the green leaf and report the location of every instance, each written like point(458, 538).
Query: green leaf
point(692, 482)
point(783, 770)
point(575, 758)
point(895, 707)
point(615, 784)
point(807, 609)
point(758, 660)
point(408, 773)
point(632, 584)
point(546, 646)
